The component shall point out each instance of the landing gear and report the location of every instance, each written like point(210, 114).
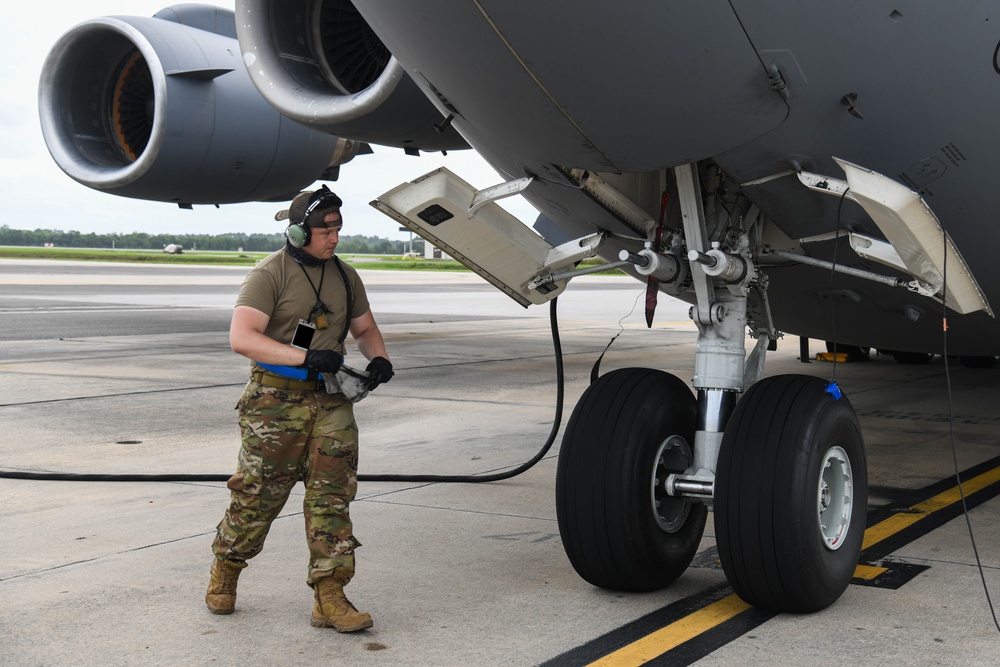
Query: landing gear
point(784, 467)
point(912, 358)
point(853, 352)
point(980, 362)
point(631, 429)
point(790, 495)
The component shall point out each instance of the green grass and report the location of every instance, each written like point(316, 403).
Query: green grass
point(131, 256)
point(396, 263)
point(384, 262)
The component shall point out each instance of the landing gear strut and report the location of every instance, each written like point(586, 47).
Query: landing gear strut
point(783, 466)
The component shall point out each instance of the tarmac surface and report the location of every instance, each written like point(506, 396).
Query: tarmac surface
point(113, 368)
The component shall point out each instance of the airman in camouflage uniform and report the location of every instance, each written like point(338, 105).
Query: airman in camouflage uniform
point(291, 427)
point(288, 435)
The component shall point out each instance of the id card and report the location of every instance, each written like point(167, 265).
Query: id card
point(303, 335)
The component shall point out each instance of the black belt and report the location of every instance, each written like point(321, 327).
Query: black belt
point(287, 383)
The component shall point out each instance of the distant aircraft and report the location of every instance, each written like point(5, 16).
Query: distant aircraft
point(819, 169)
point(173, 249)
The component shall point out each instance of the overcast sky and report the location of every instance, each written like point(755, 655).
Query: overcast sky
point(36, 194)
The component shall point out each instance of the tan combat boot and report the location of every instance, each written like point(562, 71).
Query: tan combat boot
point(334, 610)
point(221, 594)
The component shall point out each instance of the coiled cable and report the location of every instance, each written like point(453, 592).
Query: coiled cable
point(385, 477)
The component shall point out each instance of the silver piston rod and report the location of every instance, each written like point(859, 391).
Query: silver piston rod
point(892, 281)
point(714, 409)
point(721, 317)
point(649, 263)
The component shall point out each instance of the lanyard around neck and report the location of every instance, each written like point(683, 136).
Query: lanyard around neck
point(322, 275)
point(319, 301)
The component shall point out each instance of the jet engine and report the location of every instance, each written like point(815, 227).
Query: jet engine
point(162, 109)
point(318, 62)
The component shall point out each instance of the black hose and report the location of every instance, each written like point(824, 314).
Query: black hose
point(389, 477)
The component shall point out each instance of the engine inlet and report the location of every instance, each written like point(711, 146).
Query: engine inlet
point(348, 48)
point(133, 106)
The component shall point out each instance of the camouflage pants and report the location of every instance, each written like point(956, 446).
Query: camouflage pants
point(288, 435)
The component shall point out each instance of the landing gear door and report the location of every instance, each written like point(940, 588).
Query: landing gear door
point(471, 227)
point(916, 235)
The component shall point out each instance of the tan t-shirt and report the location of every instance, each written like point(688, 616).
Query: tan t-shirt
point(278, 287)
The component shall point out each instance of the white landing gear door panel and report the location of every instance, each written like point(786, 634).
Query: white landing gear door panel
point(471, 227)
point(917, 236)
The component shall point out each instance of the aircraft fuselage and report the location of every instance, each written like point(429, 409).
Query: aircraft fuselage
point(762, 89)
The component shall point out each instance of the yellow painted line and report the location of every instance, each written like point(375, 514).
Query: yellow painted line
point(653, 645)
point(898, 522)
point(868, 572)
point(671, 636)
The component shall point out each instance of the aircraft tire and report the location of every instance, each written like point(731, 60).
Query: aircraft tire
point(853, 352)
point(912, 358)
point(979, 362)
point(619, 529)
point(787, 440)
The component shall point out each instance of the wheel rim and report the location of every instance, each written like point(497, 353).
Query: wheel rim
point(835, 497)
point(673, 456)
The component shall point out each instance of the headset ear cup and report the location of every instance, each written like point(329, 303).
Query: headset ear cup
point(297, 235)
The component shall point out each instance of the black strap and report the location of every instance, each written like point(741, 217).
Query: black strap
point(350, 300)
point(347, 289)
point(596, 370)
point(320, 306)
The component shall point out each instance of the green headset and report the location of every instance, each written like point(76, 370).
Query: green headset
point(298, 232)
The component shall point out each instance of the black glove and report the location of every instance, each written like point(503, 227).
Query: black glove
point(323, 361)
point(379, 371)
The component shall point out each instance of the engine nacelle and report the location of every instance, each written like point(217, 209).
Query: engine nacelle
point(318, 62)
point(162, 109)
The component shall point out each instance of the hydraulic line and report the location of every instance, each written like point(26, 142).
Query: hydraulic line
point(388, 477)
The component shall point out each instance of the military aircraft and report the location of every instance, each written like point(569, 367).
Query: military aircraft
point(817, 169)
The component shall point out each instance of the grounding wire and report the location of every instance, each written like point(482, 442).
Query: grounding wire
point(951, 408)
point(833, 268)
point(377, 477)
point(951, 429)
point(595, 371)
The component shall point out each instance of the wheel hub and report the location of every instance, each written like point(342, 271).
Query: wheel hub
point(673, 456)
point(835, 497)
point(824, 496)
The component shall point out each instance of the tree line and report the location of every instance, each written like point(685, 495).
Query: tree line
point(140, 241)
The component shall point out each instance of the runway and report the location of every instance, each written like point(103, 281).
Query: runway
point(108, 368)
